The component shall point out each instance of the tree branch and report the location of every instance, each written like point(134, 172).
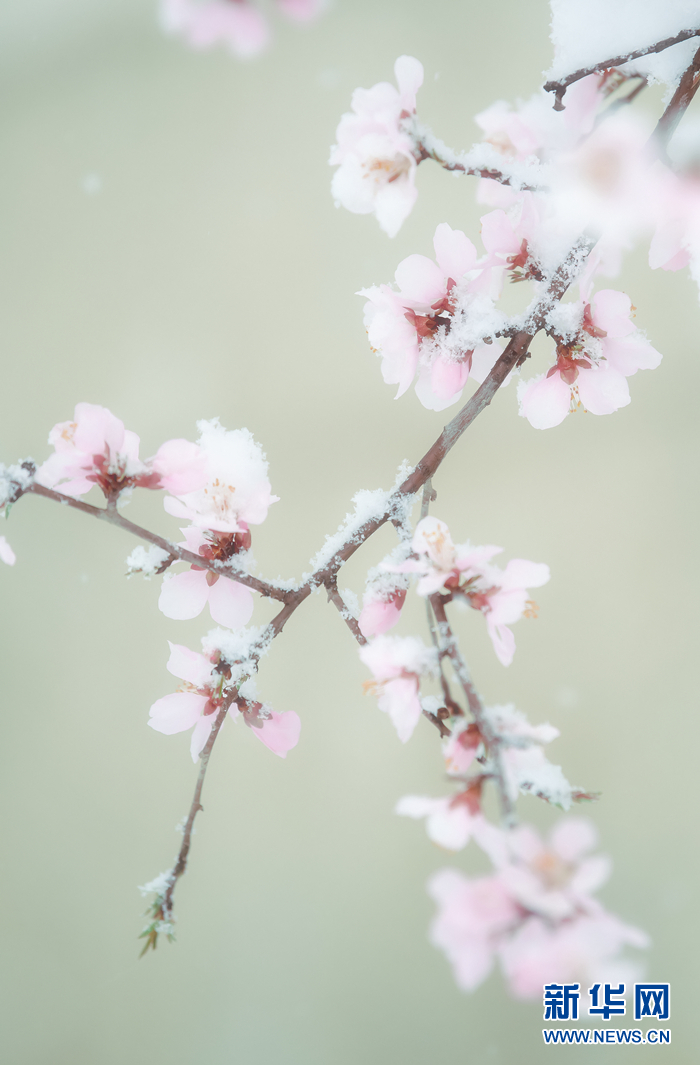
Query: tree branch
point(449, 648)
point(559, 87)
point(111, 514)
point(678, 105)
point(339, 603)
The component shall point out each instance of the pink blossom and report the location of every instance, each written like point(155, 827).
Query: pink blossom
point(536, 914)
point(591, 371)
point(380, 613)
point(472, 917)
point(375, 153)
point(201, 699)
point(236, 23)
point(555, 879)
point(450, 821)
point(459, 749)
point(179, 466)
point(584, 949)
point(301, 10)
point(7, 555)
point(94, 448)
point(501, 595)
point(184, 596)
point(197, 705)
point(236, 492)
point(413, 325)
point(397, 663)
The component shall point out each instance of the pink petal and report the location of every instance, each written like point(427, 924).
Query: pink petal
point(455, 253)
point(279, 732)
point(409, 78)
point(629, 354)
point(181, 465)
point(184, 595)
point(545, 401)
point(602, 390)
point(420, 280)
point(230, 603)
point(394, 203)
point(399, 699)
point(484, 358)
point(498, 235)
point(97, 429)
point(378, 616)
point(520, 573)
point(176, 712)
point(572, 837)
point(502, 639)
point(612, 312)
point(189, 665)
point(448, 377)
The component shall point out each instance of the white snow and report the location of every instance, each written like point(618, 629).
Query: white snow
point(585, 32)
point(146, 560)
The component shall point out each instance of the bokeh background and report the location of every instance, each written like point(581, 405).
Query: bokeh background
point(170, 249)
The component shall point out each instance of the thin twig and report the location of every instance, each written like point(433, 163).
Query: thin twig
point(449, 648)
point(339, 603)
point(111, 514)
point(560, 86)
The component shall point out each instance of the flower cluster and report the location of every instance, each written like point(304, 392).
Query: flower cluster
point(536, 914)
point(238, 24)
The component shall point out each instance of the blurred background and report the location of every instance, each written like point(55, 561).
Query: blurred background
point(170, 250)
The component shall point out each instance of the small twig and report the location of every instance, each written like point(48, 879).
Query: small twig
point(111, 514)
point(559, 87)
point(339, 603)
point(449, 648)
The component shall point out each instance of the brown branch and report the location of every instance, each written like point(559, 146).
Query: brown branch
point(162, 909)
point(559, 87)
point(339, 603)
point(111, 514)
point(678, 105)
point(456, 167)
point(449, 648)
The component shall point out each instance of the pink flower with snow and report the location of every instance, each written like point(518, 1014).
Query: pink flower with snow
point(236, 23)
point(202, 698)
point(380, 612)
point(7, 555)
point(591, 371)
point(96, 449)
point(185, 595)
point(398, 662)
point(410, 329)
point(376, 153)
point(473, 916)
point(465, 571)
point(236, 492)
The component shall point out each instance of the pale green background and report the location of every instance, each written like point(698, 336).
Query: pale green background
point(212, 275)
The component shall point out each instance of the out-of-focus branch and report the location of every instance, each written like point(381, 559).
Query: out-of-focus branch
point(559, 87)
point(678, 105)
